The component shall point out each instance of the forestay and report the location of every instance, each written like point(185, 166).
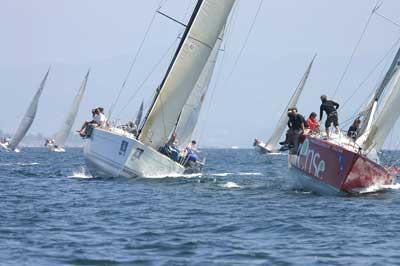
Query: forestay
point(30, 114)
point(191, 111)
point(207, 21)
point(62, 135)
point(387, 117)
point(280, 128)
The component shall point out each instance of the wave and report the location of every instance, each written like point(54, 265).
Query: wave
point(378, 187)
point(81, 173)
point(20, 164)
point(231, 185)
point(222, 174)
point(249, 173)
point(174, 176)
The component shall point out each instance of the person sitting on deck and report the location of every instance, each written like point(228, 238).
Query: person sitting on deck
point(330, 107)
point(190, 152)
point(353, 129)
point(98, 119)
point(312, 123)
point(170, 149)
point(285, 143)
point(297, 125)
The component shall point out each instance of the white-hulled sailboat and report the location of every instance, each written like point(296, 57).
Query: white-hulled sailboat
point(57, 145)
point(113, 152)
point(272, 143)
point(27, 121)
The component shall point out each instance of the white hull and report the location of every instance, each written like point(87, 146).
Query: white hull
point(55, 149)
point(118, 154)
point(260, 148)
point(5, 147)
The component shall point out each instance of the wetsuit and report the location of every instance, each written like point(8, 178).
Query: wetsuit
point(295, 131)
point(330, 108)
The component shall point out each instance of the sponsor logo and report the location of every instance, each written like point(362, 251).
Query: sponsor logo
point(310, 161)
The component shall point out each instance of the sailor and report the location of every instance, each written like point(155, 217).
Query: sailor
point(312, 123)
point(353, 129)
point(131, 128)
point(330, 107)
point(285, 143)
point(86, 124)
point(297, 125)
point(99, 118)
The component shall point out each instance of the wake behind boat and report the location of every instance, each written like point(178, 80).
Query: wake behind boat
point(173, 114)
point(26, 122)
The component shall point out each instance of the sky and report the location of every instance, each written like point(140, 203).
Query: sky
point(72, 36)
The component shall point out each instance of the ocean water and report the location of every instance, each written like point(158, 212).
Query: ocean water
point(243, 210)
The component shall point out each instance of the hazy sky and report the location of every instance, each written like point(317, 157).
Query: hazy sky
point(73, 35)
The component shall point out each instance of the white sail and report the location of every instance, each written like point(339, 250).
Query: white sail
point(282, 123)
point(139, 115)
point(30, 114)
point(206, 23)
point(63, 133)
point(386, 118)
point(368, 112)
point(191, 110)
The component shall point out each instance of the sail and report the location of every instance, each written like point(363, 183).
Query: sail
point(281, 126)
point(139, 115)
point(367, 113)
point(387, 117)
point(191, 111)
point(30, 114)
point(63, 133)
point(207, 21)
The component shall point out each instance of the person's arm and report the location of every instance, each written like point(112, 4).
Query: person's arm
point(302, 126)
point(321, 112)
point(336, 105)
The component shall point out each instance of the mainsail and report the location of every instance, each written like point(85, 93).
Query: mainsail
point(280, 128)
point(62, 135)
point(191, 111)
point(207, 21)
point(387, 117)
point(30, 114)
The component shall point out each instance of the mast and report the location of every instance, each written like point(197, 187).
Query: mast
point(189, 25)
point(204, 27)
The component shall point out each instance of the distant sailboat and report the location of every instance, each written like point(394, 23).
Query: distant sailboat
point(139, 115)
point(27, 121)
point(272, 143)
point(62, 135)
point(113, 152)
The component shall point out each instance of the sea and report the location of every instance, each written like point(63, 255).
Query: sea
point(244, 209)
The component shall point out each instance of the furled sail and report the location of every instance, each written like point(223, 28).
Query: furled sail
point(139, 115)
point(367, 114)
point(386, 118)
point(30, 114)
point(281, 126)
point(207, 21)
point(63, 133)
point(191, 111)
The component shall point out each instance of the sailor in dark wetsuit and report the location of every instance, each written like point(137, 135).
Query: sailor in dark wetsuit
point(330, 107)
point(296, 125)
point(353, 129)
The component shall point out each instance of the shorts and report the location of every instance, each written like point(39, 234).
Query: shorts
point(332, 118)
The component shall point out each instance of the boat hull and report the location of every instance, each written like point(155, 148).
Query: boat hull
point(110, 154)
point(327, 168)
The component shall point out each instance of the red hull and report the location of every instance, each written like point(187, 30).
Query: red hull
point(340, 169)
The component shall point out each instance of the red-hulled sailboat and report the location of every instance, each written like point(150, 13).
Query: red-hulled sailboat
point(340, 165)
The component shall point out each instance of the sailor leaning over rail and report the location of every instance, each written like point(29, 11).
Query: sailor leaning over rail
point(297, 125)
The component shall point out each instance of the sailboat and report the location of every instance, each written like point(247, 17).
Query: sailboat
point(61, 137)
point(271, 145)
point(340, 165)
point(139, 115)
point(113, 152)
point(26, 121)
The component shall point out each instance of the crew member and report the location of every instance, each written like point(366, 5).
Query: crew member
point(330, 107)
point(312, 122)
point(353, 129)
